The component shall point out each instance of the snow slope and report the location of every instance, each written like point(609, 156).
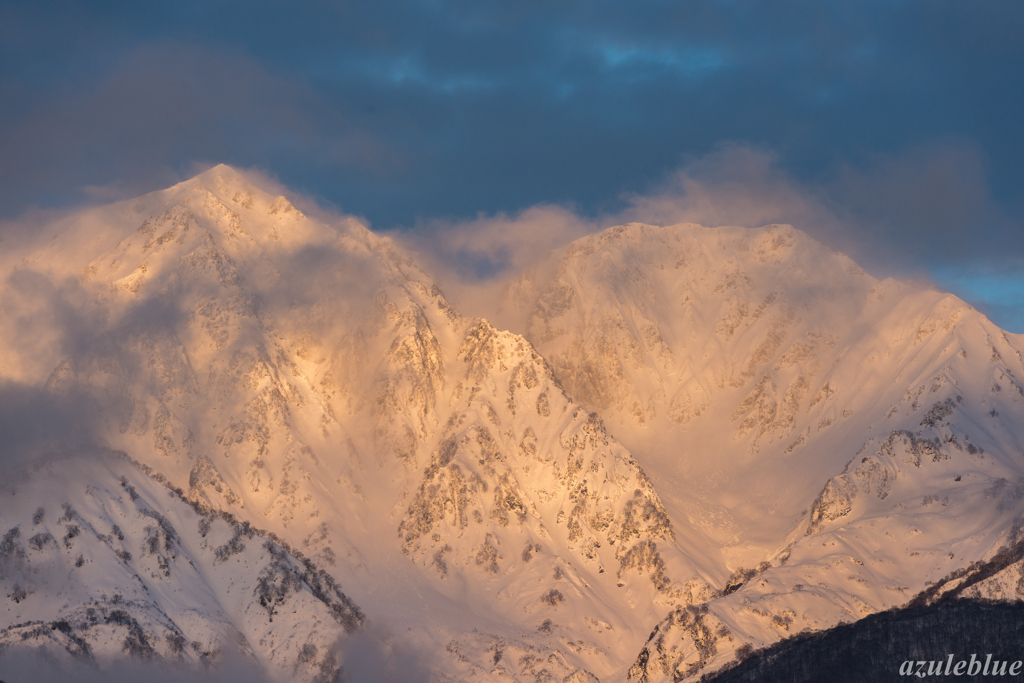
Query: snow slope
point(125, 566)
point(839, 441)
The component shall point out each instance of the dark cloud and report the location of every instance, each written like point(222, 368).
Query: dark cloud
point(898, 119)
point(432, 109)
point(153, 115)
point(931, 203)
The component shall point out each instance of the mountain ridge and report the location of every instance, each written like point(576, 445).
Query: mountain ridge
point(310, 379)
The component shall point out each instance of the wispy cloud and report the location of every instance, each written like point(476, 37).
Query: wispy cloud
point(233, 667)
point(903, 215)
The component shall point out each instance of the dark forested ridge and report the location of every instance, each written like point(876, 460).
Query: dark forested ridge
point(874, 648)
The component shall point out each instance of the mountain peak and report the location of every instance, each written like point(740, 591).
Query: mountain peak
point(238, 205)
point(223, 174)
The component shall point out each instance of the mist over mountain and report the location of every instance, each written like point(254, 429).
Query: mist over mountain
point(239, 436)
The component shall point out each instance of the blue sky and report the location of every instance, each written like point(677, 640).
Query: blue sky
point(899, 119)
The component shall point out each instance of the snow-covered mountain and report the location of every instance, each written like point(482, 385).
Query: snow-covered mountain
point(839, 442)
point(238, 427)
